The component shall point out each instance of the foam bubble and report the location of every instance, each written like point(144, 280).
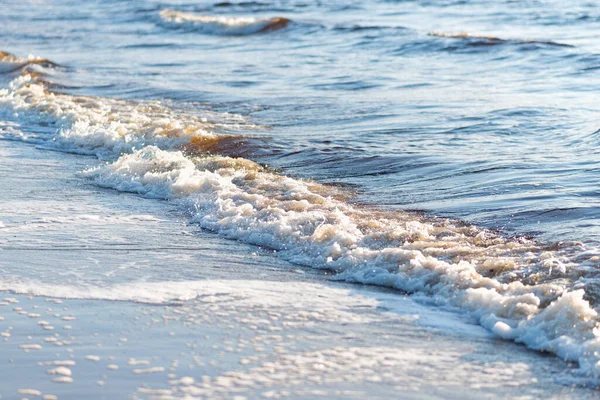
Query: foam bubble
point(151, 370)
point(27, 347)
point(30, 392)
point(64, 371)
point(63, 379)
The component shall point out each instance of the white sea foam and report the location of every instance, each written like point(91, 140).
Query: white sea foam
point(457, 265)
point(220, 25)
point(30, 392)
point(152, 370)
point(101, 126)
point(86, 125)
point(64, 371)
point(362, 364)
point(515, 288)
point(27, 347)
point(63, 379)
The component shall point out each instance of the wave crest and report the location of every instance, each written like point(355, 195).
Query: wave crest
point(10, 63)
point(484, 40)
point(104, 127)
point(219, 25)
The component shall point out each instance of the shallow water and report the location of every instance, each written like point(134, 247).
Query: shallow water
point(496, 126)
point(119, 311)
point(310, 129)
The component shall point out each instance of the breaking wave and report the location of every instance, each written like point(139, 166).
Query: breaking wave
point(101, 126)
point(10, 63)
point(517, 288)
point(219, 25)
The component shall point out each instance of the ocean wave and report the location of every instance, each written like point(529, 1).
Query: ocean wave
point(517, 288)
point(483, 40)
point(220, 25)
point(10, 63)
point(106, 127)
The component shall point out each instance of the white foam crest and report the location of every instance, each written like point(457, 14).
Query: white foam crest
point(11, 63)
point(464, 267)
point(99, 126)
point(220, 25)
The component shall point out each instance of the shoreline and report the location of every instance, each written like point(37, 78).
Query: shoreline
point(246, 324)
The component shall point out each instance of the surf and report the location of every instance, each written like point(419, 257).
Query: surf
point(517, 288)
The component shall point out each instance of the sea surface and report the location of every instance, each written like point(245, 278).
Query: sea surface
point(445, 149)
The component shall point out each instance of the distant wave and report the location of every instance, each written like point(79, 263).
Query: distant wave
point(220, 25)
point(241, 4)
point(483, 40)
point(365, 28)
